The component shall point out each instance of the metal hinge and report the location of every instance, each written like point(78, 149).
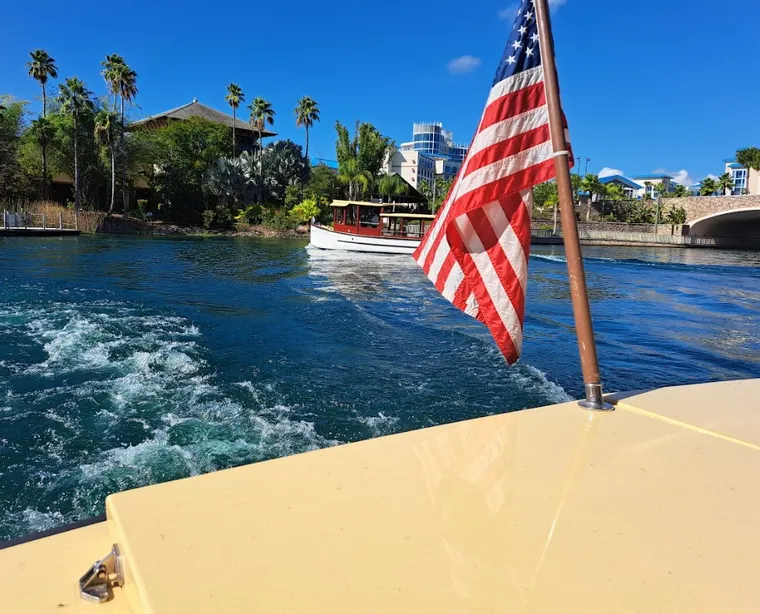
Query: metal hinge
point(97, 584)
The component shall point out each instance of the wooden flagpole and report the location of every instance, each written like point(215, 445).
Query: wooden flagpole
point(581, 310)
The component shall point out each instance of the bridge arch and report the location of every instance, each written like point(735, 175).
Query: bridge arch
point(744, 223)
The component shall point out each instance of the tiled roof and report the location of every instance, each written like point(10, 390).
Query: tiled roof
point(197, 109)
point(620, 179)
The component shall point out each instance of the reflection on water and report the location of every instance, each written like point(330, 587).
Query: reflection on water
point(129, 361)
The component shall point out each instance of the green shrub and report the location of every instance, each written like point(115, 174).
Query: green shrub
point(304, 212)
point(250, 215)
point(278, 219)
point(220, 218)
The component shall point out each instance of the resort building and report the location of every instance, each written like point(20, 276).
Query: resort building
point(434, 141)
point(413, 166)
point(630, 188)
point(746, 180)
point(648, 183)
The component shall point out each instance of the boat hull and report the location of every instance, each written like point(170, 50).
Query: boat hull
point(324, 238)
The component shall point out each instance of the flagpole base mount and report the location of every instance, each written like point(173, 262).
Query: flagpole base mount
point(594, 400)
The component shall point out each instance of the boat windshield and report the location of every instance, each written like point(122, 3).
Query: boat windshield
point(369, 217)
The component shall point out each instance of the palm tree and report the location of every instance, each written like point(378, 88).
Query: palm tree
point(749, 158)
point(41, 68)
point(122, 82)
point(591, 184)
point(75, 100)
point(647, 191)
point(391, 185)
point(105, 135)
point(261, 114)
point(661, 190)
point(357, 180)
point(613, 191)
point(234, 97)
point(709, 187)
point(726, 183)
point(553, 202)
point(307, 112)
point(680, 191)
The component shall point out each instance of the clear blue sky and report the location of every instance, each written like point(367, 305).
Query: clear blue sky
point(647, 85)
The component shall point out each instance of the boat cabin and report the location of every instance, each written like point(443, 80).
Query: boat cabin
point(380, 219)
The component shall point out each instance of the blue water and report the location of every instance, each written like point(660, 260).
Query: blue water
point(130, 361)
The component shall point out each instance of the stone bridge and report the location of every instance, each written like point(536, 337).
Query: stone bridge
point(720, 216)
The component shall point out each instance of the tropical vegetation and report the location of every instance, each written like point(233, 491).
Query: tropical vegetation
point(436, 193)
point(709, 187)
point(41, 68)
point(360, 158)
point(725, 183)
point(306, 113)
point(749, 157)
point(234, 97)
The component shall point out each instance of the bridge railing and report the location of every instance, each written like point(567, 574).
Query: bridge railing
point(28, 220)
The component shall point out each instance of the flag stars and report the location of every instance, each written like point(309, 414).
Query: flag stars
point(529, 52)
point(528, 16)
point(517, 45)
point(534, 38)
point(511, 60)
point(523, 30)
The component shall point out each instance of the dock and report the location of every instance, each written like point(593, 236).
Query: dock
point(36, 225)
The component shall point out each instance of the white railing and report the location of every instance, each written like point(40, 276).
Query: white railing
point(38, 221)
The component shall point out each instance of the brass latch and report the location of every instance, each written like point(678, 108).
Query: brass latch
point(97, 584)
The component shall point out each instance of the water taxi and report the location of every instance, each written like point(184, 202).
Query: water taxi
point(381, 228)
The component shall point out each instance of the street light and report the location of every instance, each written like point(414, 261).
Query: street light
point(586, 170)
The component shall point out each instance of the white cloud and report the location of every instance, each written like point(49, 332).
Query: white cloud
point(681, 176)
point(510, 12)
point(711, 176)
point(463, 64)
point(609, 172)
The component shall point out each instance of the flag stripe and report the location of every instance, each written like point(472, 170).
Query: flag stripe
point(487, 312)
point(530, 98)
point(509, 147)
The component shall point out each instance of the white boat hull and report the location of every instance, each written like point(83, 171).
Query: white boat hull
point(324, 238)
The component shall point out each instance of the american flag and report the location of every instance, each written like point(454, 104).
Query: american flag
point(476, 251)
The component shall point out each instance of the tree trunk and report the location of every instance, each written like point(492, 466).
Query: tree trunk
point(124, 198)
point(234, 142)
point(588, 208)
point(261, 169)
point(308, 162)
point(76, 167)
point(44, 147)
point(554, 230)
point(113, 176)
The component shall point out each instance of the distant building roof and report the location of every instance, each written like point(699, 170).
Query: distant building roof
point(651, 176)
point(197, 109)
point(735, 165)
point(620, 179)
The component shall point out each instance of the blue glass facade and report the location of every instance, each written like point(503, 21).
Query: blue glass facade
point(431, 138)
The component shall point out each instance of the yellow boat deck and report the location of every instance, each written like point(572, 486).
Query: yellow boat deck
point(651, 508)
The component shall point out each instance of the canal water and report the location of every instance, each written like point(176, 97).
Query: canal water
point(131, 361)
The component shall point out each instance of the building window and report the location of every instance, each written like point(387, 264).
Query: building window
point(739, 175)
point(351, 215)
